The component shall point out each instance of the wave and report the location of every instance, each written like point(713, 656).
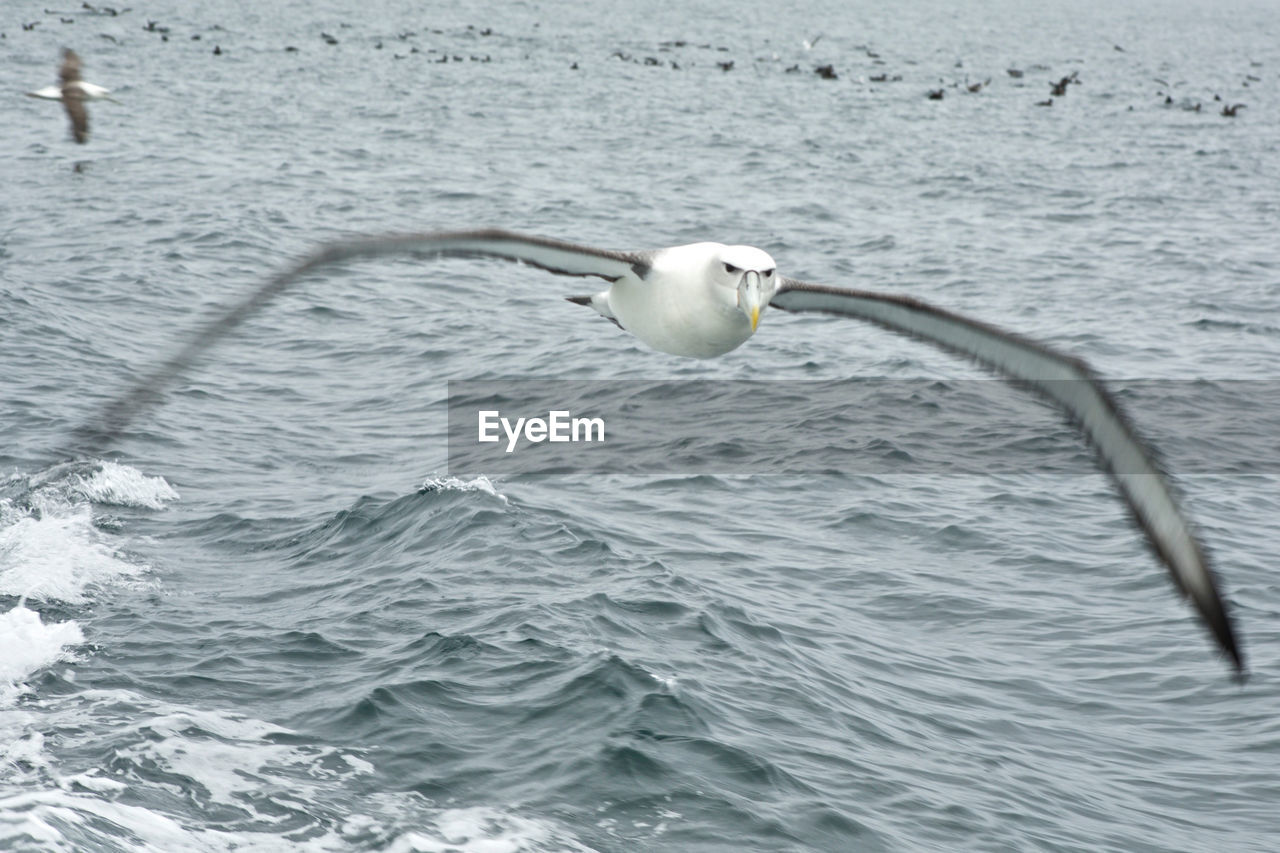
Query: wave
point(54, 551)
point(52, 546)
point(480, 483)
point(260, 787)
point(29, 645)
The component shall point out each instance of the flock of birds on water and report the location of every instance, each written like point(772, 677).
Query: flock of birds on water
point(74, 92)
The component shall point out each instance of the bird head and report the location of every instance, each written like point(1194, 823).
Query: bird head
point(751, 274)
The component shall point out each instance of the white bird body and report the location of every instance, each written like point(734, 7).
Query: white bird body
point(686, 304)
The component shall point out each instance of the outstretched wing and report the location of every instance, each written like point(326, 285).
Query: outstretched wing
point(73, 102)
point(1072, 386)
point(552, 255)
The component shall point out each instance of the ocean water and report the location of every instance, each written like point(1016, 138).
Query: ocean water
point(270, 617)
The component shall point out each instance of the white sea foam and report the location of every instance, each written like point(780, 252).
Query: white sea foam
point(101, 481)
point(479, 484)
point(60, 822)
point(28, 644)
point(121, 485)
point(51, 551)
point(91, 781)
point(229, 765)
point(56, 556)
point(50, 548)
point(668, 682)
point(486, 830)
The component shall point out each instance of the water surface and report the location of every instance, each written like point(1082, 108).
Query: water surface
point(269, 619)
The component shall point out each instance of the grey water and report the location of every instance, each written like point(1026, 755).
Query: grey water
point(269, 617)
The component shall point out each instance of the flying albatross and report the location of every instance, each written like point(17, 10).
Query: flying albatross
point(705, 299)
point(73, 92)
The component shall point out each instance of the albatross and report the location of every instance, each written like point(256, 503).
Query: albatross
point(73, 92)
point(705, 299)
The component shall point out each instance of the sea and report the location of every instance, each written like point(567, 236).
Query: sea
point(274, 615)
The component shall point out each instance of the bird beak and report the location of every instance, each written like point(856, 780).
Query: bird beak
point(751, 297)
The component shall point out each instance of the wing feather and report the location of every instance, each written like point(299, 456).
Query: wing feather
point(1071, 385)
point(77, 113)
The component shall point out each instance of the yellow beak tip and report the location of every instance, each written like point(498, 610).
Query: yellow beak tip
point(755, 318)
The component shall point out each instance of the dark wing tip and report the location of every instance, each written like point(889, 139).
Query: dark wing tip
point(1215, 615)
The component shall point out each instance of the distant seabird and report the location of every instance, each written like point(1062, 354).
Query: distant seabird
point(1060, 88)
point(705, 299)
point(74, 93)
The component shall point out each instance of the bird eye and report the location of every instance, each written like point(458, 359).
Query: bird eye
point(730, 268)
point(768, 273)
